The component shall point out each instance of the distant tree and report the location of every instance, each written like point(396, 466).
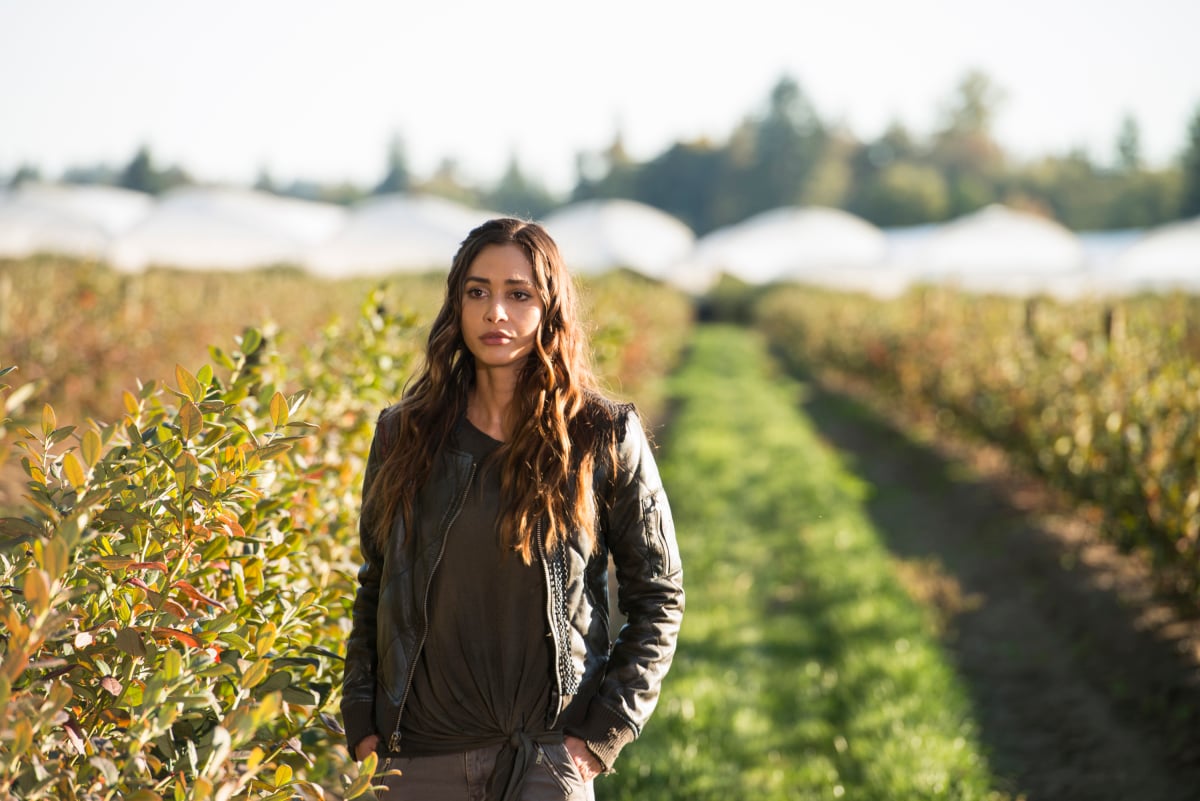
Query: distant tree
point(1129, 145)
point(610, 173)
point(26, 173)
point(683, 180)
point(787, 145)
point(141, 174)
point(963, 148)
point(445, 183)
point(829, 182)
point(1189, 205)
point(397, 177)
point(904, 193)
point(516, 194)
point(265, 183)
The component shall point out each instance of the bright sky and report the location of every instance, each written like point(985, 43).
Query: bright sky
point(316, 89)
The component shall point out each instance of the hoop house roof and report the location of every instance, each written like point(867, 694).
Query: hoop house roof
point(810, 243)
point(598, 235)
point(998, 249)
point(71, 220)
point(1165, 258)
point(396, 233)
point(229, 229)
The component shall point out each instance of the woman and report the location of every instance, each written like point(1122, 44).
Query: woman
point(480, 663)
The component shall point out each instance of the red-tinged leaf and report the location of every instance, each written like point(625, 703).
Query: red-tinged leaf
point(159, 566)
point(196, 595)
point(191, 421)
point(74, 734)
point(175, 608)
point(73, 470)
point(111, 686)
point(190, 640)
point(49, 421)
point(279, 410)
point(116, 562)
point(131, 643)
point(188, 385)
point(117, 717)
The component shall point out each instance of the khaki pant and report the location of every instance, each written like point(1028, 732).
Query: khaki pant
point(464, 777)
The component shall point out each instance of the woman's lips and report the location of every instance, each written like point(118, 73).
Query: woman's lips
point(495, 339)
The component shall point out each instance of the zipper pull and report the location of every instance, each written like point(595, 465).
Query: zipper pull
point(394, 743)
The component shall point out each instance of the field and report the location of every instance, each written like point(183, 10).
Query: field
point(894, 588)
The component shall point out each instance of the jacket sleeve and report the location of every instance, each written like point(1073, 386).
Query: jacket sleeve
point(640, 534)
point(358, 680)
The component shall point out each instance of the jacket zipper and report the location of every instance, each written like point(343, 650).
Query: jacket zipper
point(551, 621)
point(394, 742)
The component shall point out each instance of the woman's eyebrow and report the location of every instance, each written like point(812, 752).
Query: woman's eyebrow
point(510, 281)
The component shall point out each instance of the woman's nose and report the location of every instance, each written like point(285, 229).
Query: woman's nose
point(496, 313)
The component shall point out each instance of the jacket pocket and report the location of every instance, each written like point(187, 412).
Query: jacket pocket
point(659, 526)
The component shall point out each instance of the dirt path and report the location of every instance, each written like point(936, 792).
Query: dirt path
point(1086, 687)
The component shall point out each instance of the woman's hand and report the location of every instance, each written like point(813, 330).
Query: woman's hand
point(585, 761)
point(365, 746)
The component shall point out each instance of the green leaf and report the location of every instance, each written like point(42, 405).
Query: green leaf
point(90, 448)
point(52, 556)
point(366, 772)
point(188, 385)
point(274, 449)
point(142, 795)
point(301, 696)
point(49, 421)
point(297, 400)
point(250, 341)
point(73, 470)
point(279, 410)
point(255, 673)
point(264, 639)
point(37, 590)
point(187, 471)
point(190, 421)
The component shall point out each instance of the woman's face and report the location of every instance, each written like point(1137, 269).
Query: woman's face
point(501, 309)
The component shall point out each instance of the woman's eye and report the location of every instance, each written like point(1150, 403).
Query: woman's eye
point(519, 295)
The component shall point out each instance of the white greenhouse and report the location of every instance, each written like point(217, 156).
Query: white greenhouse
point(598, 235)
point(1004, 251)
point(815, 245)
point(224, 229)
point(396, 233)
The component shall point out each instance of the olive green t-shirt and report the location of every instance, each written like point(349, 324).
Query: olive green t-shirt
point(485, 670)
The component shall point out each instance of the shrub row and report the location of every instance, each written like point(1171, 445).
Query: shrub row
point(175, 585)
point(1103, 399)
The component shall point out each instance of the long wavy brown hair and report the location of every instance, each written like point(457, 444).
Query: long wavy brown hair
point(561, 423)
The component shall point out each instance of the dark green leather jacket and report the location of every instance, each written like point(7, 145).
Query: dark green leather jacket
point(603, 694)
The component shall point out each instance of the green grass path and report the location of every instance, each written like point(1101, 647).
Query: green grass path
point(804, 671)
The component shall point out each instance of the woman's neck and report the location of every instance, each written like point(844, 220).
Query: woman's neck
point(490, 400)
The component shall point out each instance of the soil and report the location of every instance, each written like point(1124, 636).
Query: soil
point(1085, 682)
